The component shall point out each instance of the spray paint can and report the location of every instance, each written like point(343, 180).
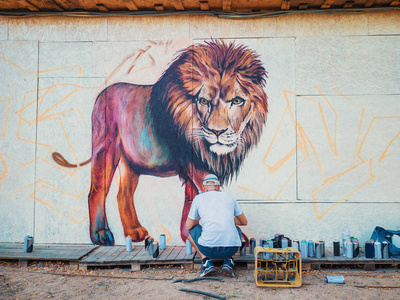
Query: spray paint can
point(349, 249)
point(385, 249)
point(296, 245)
point(345, 239)
point(318, 250)
point(335, 279)
point(149, 242)
point(28, 243)
point(310, 248)
point(304, 249)
point(285, 243)
point(163, 242)
point(270, 244)
point(369, 249)
point(356, 248)
point(378, 250)
point(128, 244)
point(243, 249)
point(252, 245)
point(336, 248)
point(322, 242)
point(188, 247)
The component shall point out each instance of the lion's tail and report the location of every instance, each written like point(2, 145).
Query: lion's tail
point(58, 158)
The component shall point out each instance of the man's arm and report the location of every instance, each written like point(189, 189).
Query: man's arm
point(191, 223)
point(240, 220)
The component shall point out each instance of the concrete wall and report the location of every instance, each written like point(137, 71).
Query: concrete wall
point(329, 154)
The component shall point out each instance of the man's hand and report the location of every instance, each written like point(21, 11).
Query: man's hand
point(240, 220)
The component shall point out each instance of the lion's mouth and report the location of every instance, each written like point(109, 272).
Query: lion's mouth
point(221, 148)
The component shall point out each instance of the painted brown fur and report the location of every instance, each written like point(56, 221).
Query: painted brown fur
point(202, 116)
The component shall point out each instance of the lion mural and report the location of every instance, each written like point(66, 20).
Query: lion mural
point(203, 115)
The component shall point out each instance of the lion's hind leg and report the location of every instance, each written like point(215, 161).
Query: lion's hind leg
point(126, 204)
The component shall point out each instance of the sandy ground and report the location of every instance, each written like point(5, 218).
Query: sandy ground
point(57, 280)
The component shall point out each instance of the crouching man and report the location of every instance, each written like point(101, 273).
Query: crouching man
point(218, 236)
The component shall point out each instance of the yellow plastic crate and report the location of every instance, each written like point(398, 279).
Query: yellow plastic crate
point(277, 267)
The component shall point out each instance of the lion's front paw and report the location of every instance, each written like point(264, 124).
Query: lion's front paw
point(137, 234)
point(103, 237)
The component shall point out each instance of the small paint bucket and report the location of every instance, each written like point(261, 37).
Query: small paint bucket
point(311, 248)
point(336, 248)
point(285, 243)
point(28, 243)
point(378, 250)
point(188, 247)
point(385, 249)
point(163, 242)
point(128, 244)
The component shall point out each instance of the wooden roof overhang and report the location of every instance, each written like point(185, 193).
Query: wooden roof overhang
point(221, 8)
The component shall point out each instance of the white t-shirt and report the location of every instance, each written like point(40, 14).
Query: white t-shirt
point(216, 210)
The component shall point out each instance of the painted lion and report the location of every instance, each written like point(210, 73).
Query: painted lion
point(202, 116)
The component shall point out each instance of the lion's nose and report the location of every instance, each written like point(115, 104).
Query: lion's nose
point(218, 132)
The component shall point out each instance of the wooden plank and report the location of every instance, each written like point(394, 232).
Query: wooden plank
point(178, 4)
point(141, 256)
point(175, 252)
point(94, 256)
point(226, 4)
point(110, 255)
point(163, 256)
point(129, 255)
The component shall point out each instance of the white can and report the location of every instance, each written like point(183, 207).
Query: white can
point(128, 243)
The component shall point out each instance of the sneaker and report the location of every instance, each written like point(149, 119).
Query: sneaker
point(207, 267)
point(228, 268)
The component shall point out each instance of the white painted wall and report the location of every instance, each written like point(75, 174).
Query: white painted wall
point(329, 155)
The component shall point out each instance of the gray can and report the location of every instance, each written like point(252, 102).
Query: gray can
point(385, 249)
point(163, 243)
point(335, 279)
point(318, 250)
point(252, 245)
point(188, 247)
point(28, 243)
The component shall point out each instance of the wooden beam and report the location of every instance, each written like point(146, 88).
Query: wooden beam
point(28, 5)
point(102, 7)
point(348, 4)
point(226, 4)
point(303, 5)
point(159, 6)
point(178, 4)
point(327, 3)
point(395, 3)
point(369, 3)
point(285, 4)
point(130, 4)
point(204, 5)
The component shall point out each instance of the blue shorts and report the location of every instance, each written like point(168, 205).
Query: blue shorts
point(213, 252)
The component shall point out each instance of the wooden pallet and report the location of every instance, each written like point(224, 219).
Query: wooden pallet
point(316, 264)
point(48, 252)
point(116, 256)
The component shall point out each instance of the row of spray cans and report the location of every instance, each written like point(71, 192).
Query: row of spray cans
point(310, 248)
point(153, 247)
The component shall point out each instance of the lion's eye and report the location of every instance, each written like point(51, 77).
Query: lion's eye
point(204, 101)
point(237, 101)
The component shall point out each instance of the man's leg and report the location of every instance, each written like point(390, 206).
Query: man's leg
point(207, 266)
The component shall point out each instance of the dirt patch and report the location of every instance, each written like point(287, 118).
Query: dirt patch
point(57, 280)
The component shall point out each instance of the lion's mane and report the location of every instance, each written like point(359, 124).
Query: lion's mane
point(172, 103)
